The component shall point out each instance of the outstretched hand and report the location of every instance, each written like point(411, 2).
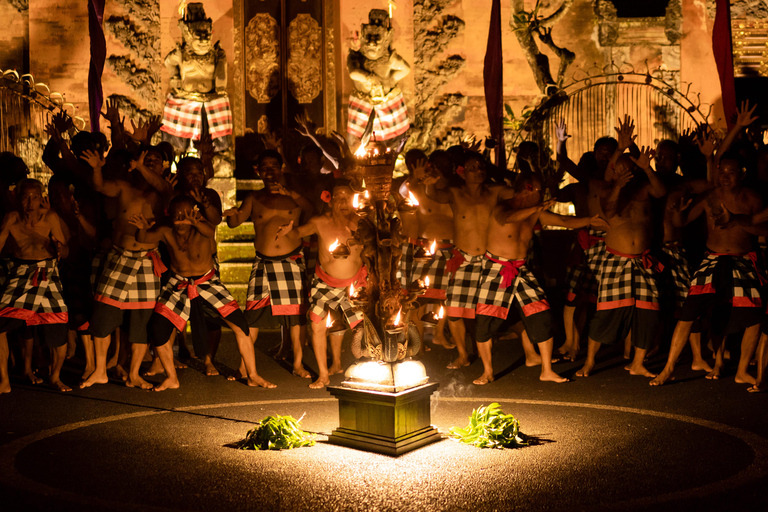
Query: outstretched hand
point(93, 158)
point(561, 131)
point(272, 141)
point(680, 205)
point(140, 221)
point(624, 133)
point(644, 160)
point(230, 212)
point(284, 230)
point(744, 115)
point(705, 140)
point(622, 176)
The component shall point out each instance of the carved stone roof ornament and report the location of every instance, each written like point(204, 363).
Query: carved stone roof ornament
point(262, 55)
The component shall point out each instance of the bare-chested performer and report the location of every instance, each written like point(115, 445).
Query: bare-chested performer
point(506, 278)
point(410, 220)
point(193, 278)
point(330, 286)
point(472, 204)
point(275, 286)
point(726, 285)
point(628, 297)
point(585, 196)
point(32, 294)
point(130, 282)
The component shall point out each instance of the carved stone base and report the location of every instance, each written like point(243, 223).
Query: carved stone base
point(388, 423)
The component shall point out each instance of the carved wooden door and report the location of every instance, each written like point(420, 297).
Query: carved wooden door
point(284, 66)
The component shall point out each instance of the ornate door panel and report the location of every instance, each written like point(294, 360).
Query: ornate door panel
point(284, 65)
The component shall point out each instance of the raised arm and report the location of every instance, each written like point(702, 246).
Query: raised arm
point(439, 195)
point(570, 222)
point(657, 188)
point(236, 216)
point(197, 221)
point(147, 233)
point(625, 136)
point(155, 181)
point(611, 203)
point(109, 188)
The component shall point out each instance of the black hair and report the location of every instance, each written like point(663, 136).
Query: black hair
point(607, 141)
point(269, 153)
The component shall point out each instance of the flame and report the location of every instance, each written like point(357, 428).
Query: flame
point(356, 201)
point(412, 199)
point(426, 282)
point(441, 313)
point(397, 317)
point(333, 246)
point(367, 195)
point(352, 290)
point(375, 152)
point(328, 321)
point(433, 247)
point(361, 152)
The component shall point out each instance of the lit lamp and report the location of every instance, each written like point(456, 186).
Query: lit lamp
point(410, 204)
point(362, 206)
point(358, 296)
point(431, 318)
point(424, 255)
point(339, 251)
point(397, 326)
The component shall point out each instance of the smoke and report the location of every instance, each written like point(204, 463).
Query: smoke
point(457, 386)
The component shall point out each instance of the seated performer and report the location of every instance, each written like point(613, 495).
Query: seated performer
point(275, 286)
point(130, 281)
point(472, 204)
point(726, 286)
point(506, 278)
point(330, 285)
point(193, 278)
point(628, 298)
point(32, 294)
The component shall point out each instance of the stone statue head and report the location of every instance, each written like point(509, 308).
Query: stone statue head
point(376, 36)
point(196, 29)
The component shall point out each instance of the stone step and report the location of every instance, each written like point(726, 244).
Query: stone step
point(235, 273)
point(242, 233)
point(236, 252)
point(239, 292)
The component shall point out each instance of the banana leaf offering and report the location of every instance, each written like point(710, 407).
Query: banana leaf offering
point(276, 433)
point(489, 427)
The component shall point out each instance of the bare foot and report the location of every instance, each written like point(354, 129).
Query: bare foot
point(88, 371)
point(458, 363)
point(138, 383)
point(483, 379)
point(572, 354)
point(120, 371)
point(94, 378)
point(757, 388)
point(551, 376)
point(745, 378)
point(320, 383)
point(57, 384)
point(178, 364)
point(533, 361)
point(259, 382)
point(333, 370)
point(714, 374)
point(5, 387)
point(586, 370)
point(700, 365)
point(210, 369)
point(167, 384)
point(301, 372)
point(663, 377)
point(155, 368)
point(639, 370)
point(443, 342)
point(32, 378)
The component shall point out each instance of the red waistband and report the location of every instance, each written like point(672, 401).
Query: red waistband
point(341, 283)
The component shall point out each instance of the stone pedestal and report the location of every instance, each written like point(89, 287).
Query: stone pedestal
point(388, 423)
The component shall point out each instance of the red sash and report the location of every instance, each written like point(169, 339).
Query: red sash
point(192, 287)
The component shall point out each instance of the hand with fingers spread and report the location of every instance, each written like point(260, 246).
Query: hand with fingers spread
point(306, 126)
point(113, 113)
point(140, 131)
point(622, 176)
point(93, 159)
point(705, 140)
point(284, 230)
point(272, 141)
point(598, 222)
point(680, 205)
point(644, 160)
point(172, 179)
point(152, 126)
point(138, 163)
point(561, 131)
point(140, 221)
point(229, 212)
point(624, 133)
point(420, 167)
point(744, 115)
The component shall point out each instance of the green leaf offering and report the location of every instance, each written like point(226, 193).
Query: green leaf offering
point(489, 427)
point(276, 433)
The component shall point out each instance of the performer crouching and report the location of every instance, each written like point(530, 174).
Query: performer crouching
point(193, 277)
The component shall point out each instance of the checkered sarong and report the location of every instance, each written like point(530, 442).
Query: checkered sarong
point(745, 291)
point(405, 272)
point(130, 279)
point(679, 273)
point(391, 115)
point(461, 296)
point(628, 281)
point(439, 277)
point(331, 293)
point(32, 293)
point(311, 253)
point(582, 277)
point(175, 299)
point(277, 282)
point(183, 118)
point(503, 281)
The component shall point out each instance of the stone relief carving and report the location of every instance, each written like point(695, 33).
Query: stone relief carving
point(19, 5)
point(608, 23)
point(262, 52)
point(673, 22)
point(304, 69)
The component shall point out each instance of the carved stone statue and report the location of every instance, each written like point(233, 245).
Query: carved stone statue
point(197, 103)
point(375, 70)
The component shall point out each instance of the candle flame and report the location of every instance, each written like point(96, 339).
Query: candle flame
point(426, 281)
point(433, 247)
point(328, 321)
point(356, 201)
point(361, 152)
point(412, 199)
point(367, 195)
point(441, 313)
point(333, 246)
point(352, 290)
point(397, 317)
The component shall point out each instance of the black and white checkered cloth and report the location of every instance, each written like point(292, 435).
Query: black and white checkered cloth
point(745, 289)
point(461, 296)
point(277, 282)
point(628, 281)
point(405, 272)
point(175, 299)
point(439, 277)
point(130, 279)
point(679, 273)
point(330, 293)
point(32, 293)
point(582, 277)
point(311, 253)
point(496, 293)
